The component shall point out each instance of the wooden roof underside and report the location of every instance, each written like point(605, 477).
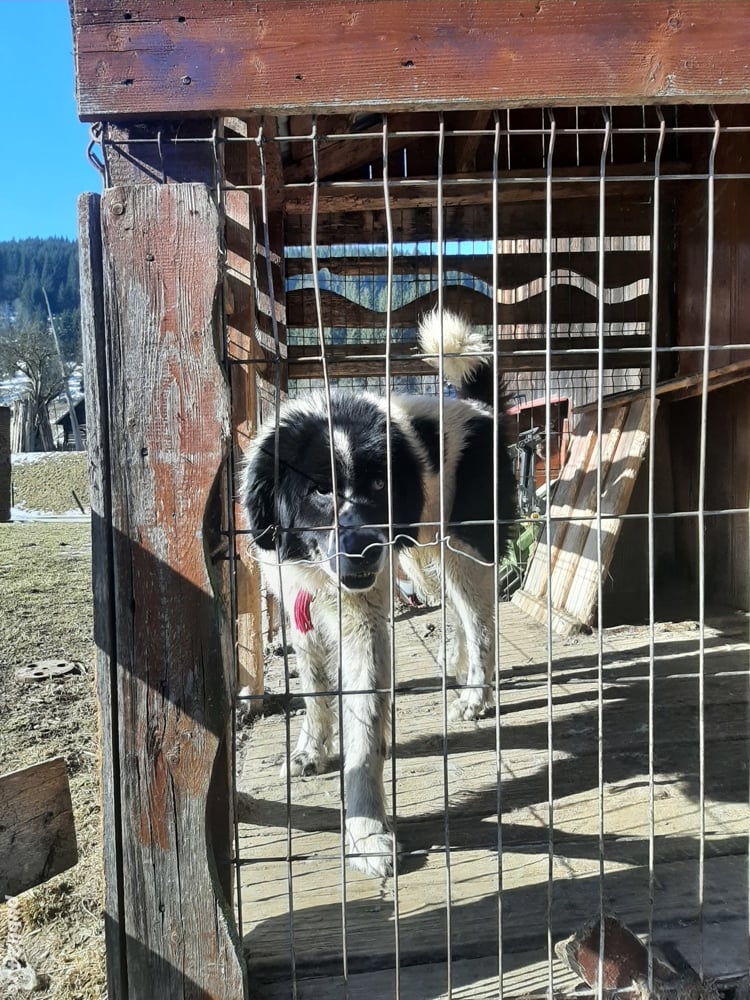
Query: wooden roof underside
point(162, 59)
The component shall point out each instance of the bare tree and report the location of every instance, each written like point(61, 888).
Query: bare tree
point(30, 350)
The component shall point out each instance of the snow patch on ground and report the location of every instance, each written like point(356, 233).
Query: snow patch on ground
point(31, 457)
point(71, 516)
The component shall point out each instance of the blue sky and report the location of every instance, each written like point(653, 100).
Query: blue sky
point(43, 165)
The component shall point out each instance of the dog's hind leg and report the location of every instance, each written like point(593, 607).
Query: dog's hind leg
point(365, 721)
point(310, 756)
point(470, 590)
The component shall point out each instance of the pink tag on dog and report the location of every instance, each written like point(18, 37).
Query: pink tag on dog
point(302, 618)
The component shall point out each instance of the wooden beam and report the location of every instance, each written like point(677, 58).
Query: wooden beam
point(337, 155)
point(97, 445)
point(158, 151)
point(241, 205)
point(517, 354)
point(682, 387)
point(625, 216)
point(367, 196)
point(193, 57)
point(466, 159)
point(37, 830)
point(166, 426)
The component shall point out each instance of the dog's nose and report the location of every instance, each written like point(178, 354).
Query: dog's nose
point(363, 548)
point(359, 558)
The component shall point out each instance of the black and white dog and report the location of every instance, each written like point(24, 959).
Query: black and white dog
point(324, 503)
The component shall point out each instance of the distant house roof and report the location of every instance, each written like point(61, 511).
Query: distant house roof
point(532, 404)
point(65, 422)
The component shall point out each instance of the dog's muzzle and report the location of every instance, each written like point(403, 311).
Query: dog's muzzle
point(360, 557)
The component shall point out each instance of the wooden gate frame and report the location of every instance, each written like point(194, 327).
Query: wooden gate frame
point(159, 405)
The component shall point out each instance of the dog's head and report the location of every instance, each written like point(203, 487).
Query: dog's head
point(328, 502)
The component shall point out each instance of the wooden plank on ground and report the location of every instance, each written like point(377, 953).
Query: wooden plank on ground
point(569, 483)
point(37, 829)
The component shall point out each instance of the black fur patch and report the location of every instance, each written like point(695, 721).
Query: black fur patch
point(428, 432)
point(475, 488)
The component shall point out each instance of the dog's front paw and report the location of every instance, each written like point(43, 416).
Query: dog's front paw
point(304, 764)
point(469, 706)
point(370, 847)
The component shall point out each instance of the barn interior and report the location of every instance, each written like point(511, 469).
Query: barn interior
point(603, 250)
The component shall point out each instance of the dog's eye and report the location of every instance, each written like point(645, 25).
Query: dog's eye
point(321, 490)
point(378, 484)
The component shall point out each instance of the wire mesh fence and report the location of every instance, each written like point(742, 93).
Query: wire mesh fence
point(597, 255)
point(607, 772)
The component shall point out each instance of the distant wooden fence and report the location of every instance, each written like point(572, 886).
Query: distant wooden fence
point(5, 464)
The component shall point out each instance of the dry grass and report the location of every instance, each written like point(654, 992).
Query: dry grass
point(57, 482)
point(45, 611)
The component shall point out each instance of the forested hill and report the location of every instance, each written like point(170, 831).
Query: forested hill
point(27, 266)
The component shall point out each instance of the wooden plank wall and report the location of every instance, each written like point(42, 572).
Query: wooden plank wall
point(354, 288)
point(161, 430)
point(576, 559)
point(728, 413)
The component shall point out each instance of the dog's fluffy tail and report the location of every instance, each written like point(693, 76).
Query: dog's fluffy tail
point(466, 361)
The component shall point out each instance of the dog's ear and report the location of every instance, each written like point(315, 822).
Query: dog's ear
point(257, 493)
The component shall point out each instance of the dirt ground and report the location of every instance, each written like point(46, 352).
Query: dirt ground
point(46, 612)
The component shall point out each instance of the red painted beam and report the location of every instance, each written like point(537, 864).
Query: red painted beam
point(164, 58)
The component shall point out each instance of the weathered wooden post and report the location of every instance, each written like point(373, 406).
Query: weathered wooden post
point(160, 428)
point(5, 464)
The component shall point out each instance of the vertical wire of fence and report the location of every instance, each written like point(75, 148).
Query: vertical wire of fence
point(266, 233)
point(442, 541)
point(233, 540)
point(705, 368)
point(391, 561)
point(548, 156)
point(342, 694)
point(606, 139)
point(497, 441)
point(653, 374)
